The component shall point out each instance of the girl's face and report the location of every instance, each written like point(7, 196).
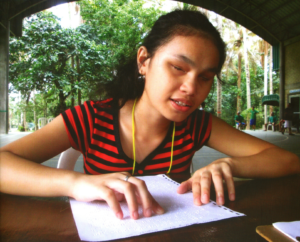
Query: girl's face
point(179, 76)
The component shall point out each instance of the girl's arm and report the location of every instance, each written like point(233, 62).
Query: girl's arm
point(249, 157)
point(21, 174)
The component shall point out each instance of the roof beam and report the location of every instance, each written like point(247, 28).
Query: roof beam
point(242, 4)
point(279, 20)
point(34, 6)
point(248, 17)
point(275, 9)
point(262, 4)
point(24, 7)
point(293, 25)
point(223, 10)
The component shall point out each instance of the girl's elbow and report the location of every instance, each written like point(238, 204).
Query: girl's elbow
point(293, 162)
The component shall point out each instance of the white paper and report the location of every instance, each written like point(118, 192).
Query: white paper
point(95, 221)
point(290, 229)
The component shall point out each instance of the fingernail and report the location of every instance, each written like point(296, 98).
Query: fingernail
point(204, 198)
point(232, 197)
point(221, 200)
point(148, 212)
point(119, 215)
point(135, 215)
point(197, 201)
point(159, 210)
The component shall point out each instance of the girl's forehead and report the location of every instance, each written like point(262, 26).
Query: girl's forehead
point(191, 45)
point(186, 42)
point(196, 51)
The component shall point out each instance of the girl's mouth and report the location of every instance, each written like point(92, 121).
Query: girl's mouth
point(180, 105)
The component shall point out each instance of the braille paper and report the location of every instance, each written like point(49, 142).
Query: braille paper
point(95, 221)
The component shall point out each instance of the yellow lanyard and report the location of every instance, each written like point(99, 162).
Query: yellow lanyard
point(133, 141)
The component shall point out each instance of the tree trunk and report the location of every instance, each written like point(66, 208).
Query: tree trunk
point(34, 111)
point(266, 78)
point(247, 68)
point(270, 75)
point(62, 104)
point(261, 51)
point(247, 73)
point(24, 120)
point(45, 108)
point(238, 99)
point(79, 97)
point(72, 84)
point(219, 99)
point(9, 117)
point(78, 71)
point(219, 84)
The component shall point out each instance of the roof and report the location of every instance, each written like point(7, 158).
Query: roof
point(19, 9)
point(273, 20)
point(272, 99)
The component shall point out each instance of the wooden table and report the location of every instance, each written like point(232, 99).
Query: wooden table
point(263, 201)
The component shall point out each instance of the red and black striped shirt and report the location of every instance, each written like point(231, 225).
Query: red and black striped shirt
point(93, 129)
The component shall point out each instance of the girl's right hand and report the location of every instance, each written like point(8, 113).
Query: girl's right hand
point(113, 188)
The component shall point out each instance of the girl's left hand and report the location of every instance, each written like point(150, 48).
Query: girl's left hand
point(200, 182)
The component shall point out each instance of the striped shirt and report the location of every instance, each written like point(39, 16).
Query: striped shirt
point(93, 129)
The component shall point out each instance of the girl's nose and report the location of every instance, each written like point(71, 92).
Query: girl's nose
point(189, 86)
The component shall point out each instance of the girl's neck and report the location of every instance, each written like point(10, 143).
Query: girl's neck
point(147, 118)
point(150, 129)
point(148, 121)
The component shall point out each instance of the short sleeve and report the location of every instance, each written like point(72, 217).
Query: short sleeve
point(201, 124)
point(79, 125)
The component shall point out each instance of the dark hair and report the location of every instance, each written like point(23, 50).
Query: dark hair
point(127, 85)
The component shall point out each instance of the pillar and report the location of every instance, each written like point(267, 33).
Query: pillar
point(4, 50)
point(282, 81)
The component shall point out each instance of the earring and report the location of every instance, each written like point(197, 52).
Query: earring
point(141, 77)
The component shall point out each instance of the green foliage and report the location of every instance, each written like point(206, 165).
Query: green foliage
point(39, 59)
point(230, 92)
point(21, 129)
point(259, 117)
point(116, 29)
point(62, 63)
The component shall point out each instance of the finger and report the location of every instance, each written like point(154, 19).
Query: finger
point(156, 208)
point(205, 187)
point(185, 186)
point(125, 187)
point(125, 173)
point(218, 182)
point(145, 198)
point(130, 195)
point(109, 196)
point(120, 196)
point(196, 188)
point(229, 183)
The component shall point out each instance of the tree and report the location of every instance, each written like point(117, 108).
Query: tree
point(70, 62)
point(116, 29)
point(266, 45)
point(219, 84)
point(270, 75)
point(247, 67)
point(39, 59)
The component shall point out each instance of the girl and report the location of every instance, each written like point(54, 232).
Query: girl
point(150, 125)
